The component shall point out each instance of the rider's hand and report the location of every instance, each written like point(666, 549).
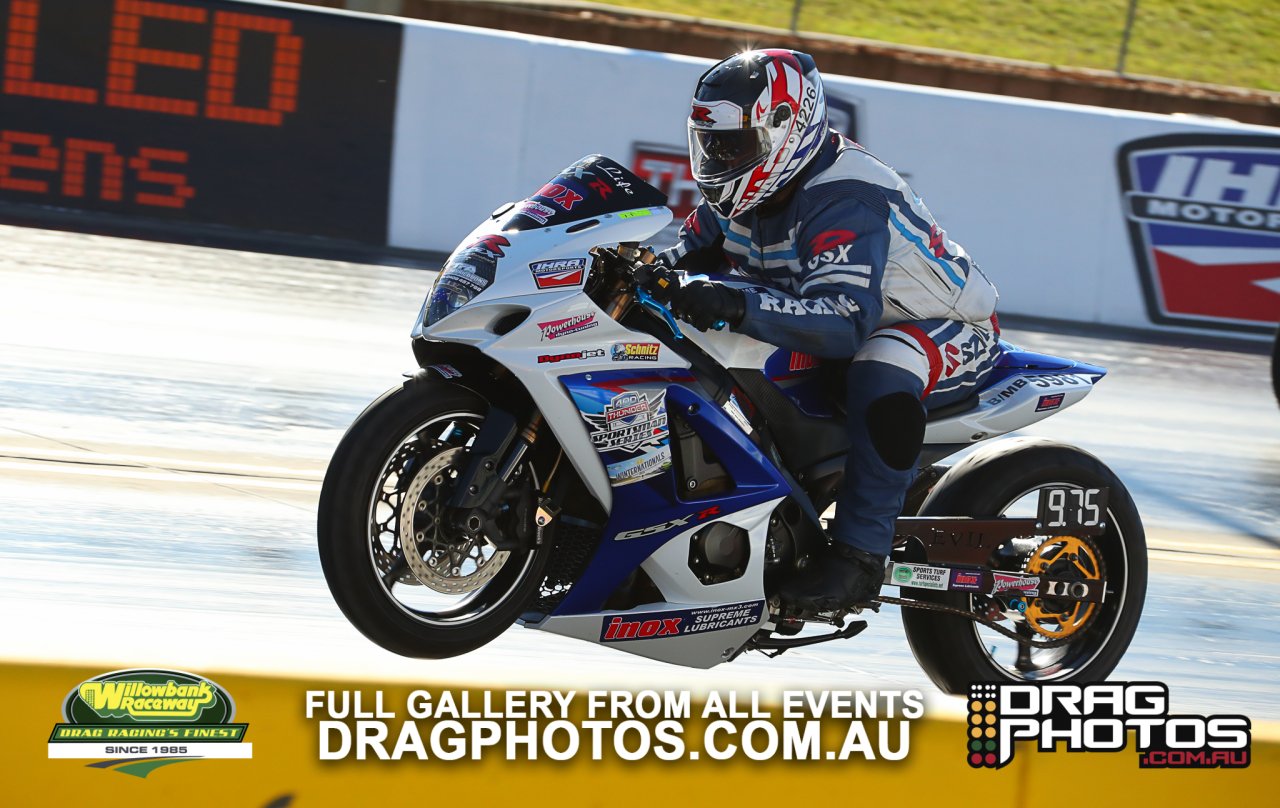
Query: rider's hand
point(702, 304)
point(659, 280)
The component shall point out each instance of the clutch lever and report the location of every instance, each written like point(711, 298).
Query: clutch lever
point(647, 300)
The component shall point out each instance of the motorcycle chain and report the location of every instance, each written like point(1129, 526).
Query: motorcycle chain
point(977, 618)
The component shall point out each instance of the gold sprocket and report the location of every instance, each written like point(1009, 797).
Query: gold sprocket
point(1063, 557)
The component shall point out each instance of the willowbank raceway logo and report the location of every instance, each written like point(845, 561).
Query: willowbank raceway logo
point(1100, 718)
point(143, 718)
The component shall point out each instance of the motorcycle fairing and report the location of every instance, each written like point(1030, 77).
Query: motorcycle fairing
point(1023, 388)
point(652, 522)
point(800, 377)
point(593, 186)
point(626, 415)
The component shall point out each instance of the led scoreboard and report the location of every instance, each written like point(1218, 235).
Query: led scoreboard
point(200, 112)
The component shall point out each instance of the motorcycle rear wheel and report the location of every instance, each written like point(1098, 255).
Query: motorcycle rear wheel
point(441, 597)
point(955, 651)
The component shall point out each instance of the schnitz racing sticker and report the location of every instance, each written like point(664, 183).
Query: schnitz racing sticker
point(631, 421)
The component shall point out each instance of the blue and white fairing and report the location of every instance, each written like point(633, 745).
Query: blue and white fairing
point(521, 266)
point(606, 392)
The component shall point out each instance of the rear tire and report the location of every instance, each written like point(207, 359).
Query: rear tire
point(347, 527)
point(986, 484)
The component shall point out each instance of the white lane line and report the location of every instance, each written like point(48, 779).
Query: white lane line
point(146, 461)
point(1210, 548)
point(157, 475)
point(1201, 559)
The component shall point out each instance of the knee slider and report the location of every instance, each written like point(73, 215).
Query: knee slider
point(896, 423)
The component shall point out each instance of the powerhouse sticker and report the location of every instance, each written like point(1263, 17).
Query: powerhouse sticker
point(148, 713)
point(1204, 222)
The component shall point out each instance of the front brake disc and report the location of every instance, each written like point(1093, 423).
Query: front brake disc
point(449, 566)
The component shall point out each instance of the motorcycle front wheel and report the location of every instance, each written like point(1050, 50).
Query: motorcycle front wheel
point(388, 555)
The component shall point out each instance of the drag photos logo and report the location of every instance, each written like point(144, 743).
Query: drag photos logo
point(1100, 718)
point(1204, 222)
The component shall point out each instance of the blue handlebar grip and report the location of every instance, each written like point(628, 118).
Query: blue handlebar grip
point(645, 299)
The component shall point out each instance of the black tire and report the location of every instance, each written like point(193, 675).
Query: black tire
point(345, 534)
point(985, 484)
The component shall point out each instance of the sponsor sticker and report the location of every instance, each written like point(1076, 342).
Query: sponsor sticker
point(635, 469)
point(970, 580)
point(635, 214)
point(635, 351)
point(555, 329)
point(150, 713)
point(1050, 402)
point(1099, 718)
point(919, 576)
point(631, 421)
point(1003, 582)
point(559, 273)
point(535, 210)
point(1204, 223)
point(566, 196)
point(589, 353)
point(735, 413)
point(656, 625)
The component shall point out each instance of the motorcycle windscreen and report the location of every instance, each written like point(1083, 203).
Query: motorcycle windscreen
point(591, 187)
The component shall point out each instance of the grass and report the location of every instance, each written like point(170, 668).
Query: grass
point(1233, 42)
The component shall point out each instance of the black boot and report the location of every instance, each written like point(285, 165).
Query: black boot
point(837, 577)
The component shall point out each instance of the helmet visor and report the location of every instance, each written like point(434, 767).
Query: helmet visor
point(719, 155)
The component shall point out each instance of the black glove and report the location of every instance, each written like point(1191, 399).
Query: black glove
point(658, 279)
point(702, 304)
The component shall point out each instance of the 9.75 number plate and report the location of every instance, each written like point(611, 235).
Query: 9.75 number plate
point(1078, 510)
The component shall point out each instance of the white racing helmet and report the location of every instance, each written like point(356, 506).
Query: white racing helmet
point(758, 118)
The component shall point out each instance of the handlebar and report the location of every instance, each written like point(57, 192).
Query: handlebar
point(629, 261)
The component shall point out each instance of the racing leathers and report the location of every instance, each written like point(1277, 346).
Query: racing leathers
point(858, 268)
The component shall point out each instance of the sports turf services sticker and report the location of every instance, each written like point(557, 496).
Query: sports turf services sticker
point(143, 718)
point(1100, 718)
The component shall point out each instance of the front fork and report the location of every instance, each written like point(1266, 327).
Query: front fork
point(488, 488)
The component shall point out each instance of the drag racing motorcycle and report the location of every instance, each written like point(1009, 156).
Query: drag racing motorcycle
point(568, 458)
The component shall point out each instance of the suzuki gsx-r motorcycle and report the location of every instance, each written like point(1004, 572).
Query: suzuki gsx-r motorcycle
point(566, 457)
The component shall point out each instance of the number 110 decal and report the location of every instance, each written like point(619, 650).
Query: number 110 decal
point(1080, 509)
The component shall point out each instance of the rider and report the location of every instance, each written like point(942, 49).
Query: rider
point(860, 270)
